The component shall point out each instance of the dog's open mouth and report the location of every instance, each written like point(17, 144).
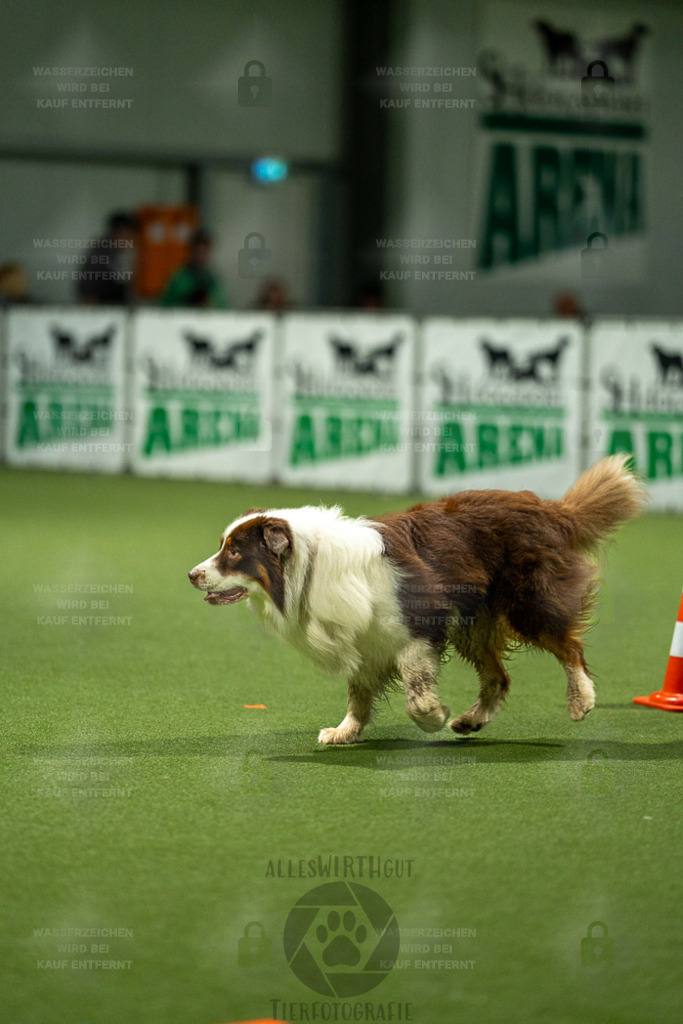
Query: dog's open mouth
point(226, 596)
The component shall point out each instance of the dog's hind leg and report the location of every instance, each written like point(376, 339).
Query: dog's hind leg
point(359, 709)
point(418, 664)
point(494, 684)
point(580, 689)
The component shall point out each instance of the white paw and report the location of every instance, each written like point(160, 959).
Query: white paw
point(337, 736)
point(579, 708)
point(430, 721)
point(580, 694)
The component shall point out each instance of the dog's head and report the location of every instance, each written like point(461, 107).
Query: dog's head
point(250, 561)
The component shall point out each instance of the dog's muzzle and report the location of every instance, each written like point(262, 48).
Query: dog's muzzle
point(229, 596)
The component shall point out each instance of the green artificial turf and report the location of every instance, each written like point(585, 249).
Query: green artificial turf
point(139, 793)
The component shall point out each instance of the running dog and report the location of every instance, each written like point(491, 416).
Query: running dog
point(381, 600)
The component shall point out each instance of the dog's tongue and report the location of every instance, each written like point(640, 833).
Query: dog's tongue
point(226, 596)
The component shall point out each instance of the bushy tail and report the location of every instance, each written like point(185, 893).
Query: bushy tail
point(602, 499)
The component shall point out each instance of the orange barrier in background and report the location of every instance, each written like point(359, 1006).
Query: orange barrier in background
point(163, 244)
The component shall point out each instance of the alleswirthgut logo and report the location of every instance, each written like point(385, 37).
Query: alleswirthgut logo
point(341, 939)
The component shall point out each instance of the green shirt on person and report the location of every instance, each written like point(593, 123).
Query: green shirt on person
point(194, 286)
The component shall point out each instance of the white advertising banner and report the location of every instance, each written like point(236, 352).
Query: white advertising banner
point(65, 389)
point(561, 156)
point(636, 374)
point(499, 406)
point(202, 394)
point(346, 403)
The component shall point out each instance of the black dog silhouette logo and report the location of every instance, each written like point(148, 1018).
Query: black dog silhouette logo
point(541, 367)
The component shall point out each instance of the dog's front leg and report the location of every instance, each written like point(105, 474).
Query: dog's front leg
point(418, 664)
point(358, 714)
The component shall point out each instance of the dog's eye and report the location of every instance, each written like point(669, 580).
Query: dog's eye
point(232, 552)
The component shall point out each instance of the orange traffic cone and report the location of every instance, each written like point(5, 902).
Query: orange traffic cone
point(670, 697)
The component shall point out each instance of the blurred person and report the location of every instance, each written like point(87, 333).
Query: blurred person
point(274, 296)
point(195, 284)
point(13, 284)
point(106, 278)
point(567, 306)
point(371, 297)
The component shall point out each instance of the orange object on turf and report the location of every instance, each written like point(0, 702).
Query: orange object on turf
point(670, 697)
point(265, 708)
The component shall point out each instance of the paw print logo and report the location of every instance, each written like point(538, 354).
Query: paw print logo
point(342, 949)
point(341, 939)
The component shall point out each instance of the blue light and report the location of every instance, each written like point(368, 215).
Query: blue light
point(269, 169)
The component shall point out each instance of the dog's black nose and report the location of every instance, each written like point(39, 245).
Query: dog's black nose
point(193, 574)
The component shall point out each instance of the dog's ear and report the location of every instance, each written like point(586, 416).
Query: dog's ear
point(251, 512)
point(276, 538)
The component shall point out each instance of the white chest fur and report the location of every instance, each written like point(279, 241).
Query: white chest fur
point(341, 607)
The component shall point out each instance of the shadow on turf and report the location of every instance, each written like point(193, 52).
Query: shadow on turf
point(480, 751)
point(367, 754)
